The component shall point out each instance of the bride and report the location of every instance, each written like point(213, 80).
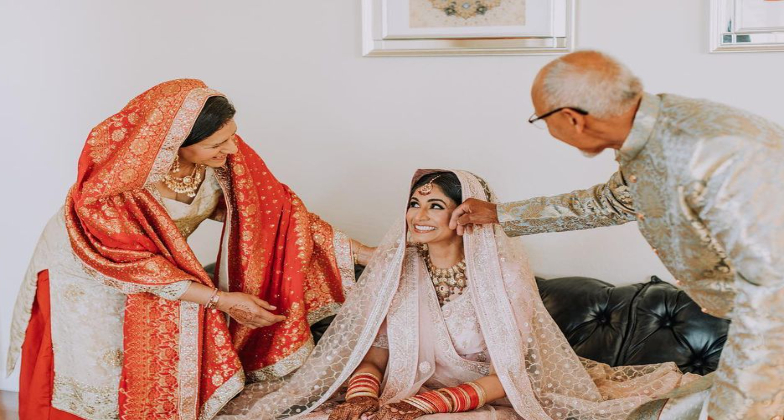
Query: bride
point(441, 323)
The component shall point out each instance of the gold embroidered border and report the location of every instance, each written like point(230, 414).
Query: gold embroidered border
point(344, 260)
point(222, 396)
point(221, 275)
point(172, 291)
point(23, 311)
point(128, 288)
point(180, 128)
point(83, 400)
point(188, 369)
point(323, 312)
point(284, 366)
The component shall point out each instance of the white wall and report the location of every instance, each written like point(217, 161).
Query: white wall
point(346, 132)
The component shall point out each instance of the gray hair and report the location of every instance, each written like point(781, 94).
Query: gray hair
point(599, 84)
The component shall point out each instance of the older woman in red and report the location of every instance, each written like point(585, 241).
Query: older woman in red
point(117, 318)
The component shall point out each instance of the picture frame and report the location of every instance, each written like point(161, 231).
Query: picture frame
point(467, 27)
point(746, 25)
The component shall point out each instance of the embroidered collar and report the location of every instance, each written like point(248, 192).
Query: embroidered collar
point(644, 122)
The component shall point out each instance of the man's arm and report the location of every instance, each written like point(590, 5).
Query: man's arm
point(602, 205)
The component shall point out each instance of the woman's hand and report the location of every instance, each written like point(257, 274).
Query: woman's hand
point(248, 310)
point(354, 408)
point(398, 411)
point(362, 253)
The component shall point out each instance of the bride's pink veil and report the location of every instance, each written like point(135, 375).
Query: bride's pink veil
point(541, 374)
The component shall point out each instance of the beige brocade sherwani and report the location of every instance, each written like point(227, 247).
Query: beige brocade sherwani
point(705, 182)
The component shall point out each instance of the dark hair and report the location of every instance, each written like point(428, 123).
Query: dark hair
point(216, 113)
point(447, 181)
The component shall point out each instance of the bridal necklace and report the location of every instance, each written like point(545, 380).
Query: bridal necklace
point(188, 184)
point(447, 281)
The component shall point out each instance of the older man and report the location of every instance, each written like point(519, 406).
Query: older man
point(704, 181)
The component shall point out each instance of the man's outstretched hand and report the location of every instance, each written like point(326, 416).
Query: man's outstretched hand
point(473, 212)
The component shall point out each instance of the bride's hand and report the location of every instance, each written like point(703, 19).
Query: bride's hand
point(398, 411)
point(248, 310)
point(354, 408)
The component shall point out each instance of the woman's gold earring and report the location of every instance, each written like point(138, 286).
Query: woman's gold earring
point(176, 165)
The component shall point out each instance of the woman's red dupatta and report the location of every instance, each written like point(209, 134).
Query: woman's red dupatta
point(180, 360)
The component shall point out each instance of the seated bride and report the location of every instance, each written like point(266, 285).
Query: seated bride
point(442, 324)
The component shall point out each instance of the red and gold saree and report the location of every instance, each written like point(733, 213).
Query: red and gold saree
point(117, 262)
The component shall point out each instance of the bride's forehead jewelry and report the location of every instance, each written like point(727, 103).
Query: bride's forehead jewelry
point(428, 188)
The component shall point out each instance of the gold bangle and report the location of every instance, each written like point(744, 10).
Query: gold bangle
point(425, 407)
point(214, 298)
point(480, 392)
point(367, 374)
point(360, 394)
point(355, 256)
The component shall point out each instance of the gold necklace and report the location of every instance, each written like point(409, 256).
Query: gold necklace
point(188, 184)
point(447, 281)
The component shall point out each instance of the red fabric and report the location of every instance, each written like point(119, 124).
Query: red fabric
point(37, 375)
point(278, 251)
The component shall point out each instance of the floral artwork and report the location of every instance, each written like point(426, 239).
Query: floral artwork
point(457, 13)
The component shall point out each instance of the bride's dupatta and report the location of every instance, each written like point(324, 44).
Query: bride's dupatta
point(542, 376)
point(181, 361)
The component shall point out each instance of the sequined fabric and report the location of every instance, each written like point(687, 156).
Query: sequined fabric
point(703, 180)
point(542, 376)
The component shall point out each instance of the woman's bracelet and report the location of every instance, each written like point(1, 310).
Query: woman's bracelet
point(355, 253)
point(363, 385)
point(213, 299)
point(466, 397)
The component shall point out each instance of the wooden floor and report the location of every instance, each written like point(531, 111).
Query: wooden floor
point(9, 403)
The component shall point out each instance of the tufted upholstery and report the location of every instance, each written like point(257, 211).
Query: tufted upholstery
point(636, 324)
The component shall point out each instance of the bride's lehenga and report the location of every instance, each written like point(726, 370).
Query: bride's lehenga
point(499, 325)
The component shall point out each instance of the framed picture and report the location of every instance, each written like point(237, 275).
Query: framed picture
point(747, 25)
point(467, 27)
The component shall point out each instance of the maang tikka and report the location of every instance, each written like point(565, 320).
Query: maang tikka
point(428, 188)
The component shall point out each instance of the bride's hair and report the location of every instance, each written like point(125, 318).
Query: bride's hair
point(447, 181)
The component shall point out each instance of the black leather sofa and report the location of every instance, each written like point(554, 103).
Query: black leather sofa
point(637, 324)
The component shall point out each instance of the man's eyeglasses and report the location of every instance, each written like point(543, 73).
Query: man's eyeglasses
point(538, 122)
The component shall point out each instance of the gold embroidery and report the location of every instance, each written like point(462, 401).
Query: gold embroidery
point(188, 367)
point(113, 357)
point(284, 366)
point(222, 396)
point(83, 400)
